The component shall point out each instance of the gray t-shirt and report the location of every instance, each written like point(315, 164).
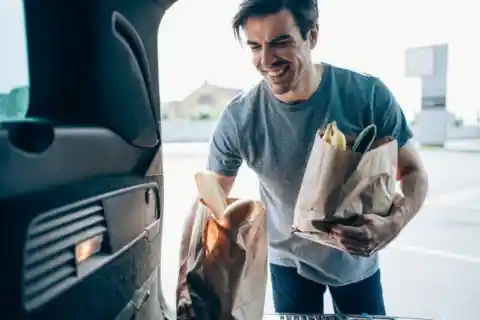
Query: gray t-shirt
point(275, 139)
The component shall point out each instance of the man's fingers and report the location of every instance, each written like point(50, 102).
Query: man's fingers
point(353, 246)
point(353, 243)
point(357, 233)
point(358, 252)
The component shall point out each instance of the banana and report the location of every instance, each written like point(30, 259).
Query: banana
point(327, 135)
point(335, 137)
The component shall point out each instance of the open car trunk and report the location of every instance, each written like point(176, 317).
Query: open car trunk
point(81, 188)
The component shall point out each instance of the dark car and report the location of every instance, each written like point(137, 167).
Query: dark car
point(81, 188)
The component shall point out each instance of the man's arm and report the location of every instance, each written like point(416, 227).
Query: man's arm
point(224, 157)
point(414, 181)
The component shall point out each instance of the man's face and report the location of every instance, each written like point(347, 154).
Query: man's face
point(280, 53)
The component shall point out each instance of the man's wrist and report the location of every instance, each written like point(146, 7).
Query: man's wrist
point(402, 212)
point(414, 187)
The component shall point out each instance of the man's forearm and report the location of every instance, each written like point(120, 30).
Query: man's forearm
point(414, 187)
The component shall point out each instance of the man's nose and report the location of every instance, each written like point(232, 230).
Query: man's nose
point(268, 56)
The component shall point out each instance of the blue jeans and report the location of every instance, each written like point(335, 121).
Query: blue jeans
point(293, 293)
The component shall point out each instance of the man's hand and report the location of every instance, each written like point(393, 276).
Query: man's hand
point(371, 234)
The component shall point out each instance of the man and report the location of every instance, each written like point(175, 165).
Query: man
point(272, 127)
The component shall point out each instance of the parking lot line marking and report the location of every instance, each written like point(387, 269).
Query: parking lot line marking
point(434, 252)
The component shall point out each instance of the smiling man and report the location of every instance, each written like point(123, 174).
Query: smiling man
point(271, 128)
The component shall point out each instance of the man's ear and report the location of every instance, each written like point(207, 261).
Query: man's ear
point(313, 36)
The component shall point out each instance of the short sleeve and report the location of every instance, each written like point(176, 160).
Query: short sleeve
point(388, 114)
point(224, 151)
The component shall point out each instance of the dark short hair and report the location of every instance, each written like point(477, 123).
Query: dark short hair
point(305, 13)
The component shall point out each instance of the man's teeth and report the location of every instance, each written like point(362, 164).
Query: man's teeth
point(275, 73)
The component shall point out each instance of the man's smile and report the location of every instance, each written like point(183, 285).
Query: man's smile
point(277, 73)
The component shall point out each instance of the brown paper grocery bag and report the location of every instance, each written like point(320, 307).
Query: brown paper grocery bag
point(340, 185)
point(226, 273)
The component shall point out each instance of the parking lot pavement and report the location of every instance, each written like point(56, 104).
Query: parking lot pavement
point(431, 270)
